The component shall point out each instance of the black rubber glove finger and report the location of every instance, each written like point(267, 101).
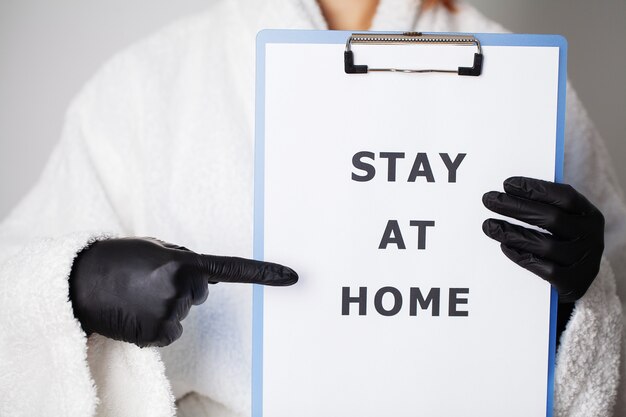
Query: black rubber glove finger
point(233, 269)
point(192, 282)
point(563, 196)
point(170, 331)
point(199, 290)
point(548, 217)
point(527, 240)
point(559, 276)
point(586, 218)
point(183, 307)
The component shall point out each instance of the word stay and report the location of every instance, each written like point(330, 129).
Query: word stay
point(364, 163)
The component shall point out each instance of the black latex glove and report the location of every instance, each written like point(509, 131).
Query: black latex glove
point(569, 257)
point(139, 289)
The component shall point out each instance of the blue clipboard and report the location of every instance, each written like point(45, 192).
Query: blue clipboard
point(268, 37)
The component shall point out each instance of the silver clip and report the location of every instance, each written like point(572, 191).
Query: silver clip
point(411, 37)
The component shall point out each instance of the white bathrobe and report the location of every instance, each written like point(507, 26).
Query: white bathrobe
point(160, 143)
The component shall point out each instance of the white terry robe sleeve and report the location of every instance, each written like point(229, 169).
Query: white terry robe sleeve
point(48, 367)
point(587, 377)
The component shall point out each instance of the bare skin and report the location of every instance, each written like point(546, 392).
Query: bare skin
point(348, 14)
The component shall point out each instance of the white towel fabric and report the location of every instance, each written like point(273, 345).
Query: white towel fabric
point(160, 143)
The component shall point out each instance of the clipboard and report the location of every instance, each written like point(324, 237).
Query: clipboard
point(357, 137)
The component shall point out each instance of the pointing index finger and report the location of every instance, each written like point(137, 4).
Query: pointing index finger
point(249, 271)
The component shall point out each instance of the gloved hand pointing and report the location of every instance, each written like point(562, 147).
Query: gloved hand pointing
point(569, 257)
point(139, 289)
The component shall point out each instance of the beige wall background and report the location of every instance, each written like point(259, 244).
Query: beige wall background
point(48, 49)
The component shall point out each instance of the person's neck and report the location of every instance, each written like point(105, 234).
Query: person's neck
point(348, 14)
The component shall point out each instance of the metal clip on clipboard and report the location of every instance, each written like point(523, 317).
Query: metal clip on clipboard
point(407, 38)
